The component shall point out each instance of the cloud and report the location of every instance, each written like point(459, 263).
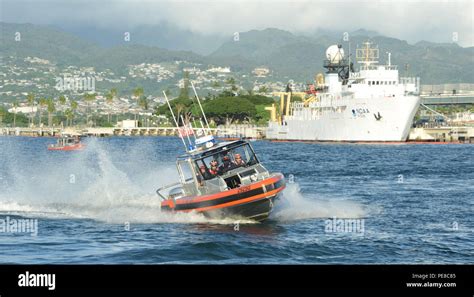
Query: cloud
point(439, 21)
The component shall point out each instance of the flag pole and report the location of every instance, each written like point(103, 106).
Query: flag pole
point(176, 122)
point(200, 106)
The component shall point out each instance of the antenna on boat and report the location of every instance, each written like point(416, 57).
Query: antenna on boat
point(200, 106)
point(176, 122)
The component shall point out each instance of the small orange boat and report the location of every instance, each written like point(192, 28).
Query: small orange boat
point(67, 143)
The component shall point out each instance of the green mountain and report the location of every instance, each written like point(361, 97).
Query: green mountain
point(117, 58)
point(66, 49)
point(288, 56)
point(23, 40)
point(300, 58)
point(164, 35)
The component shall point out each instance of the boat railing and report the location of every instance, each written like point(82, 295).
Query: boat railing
point(410, 84)
point(166, 187)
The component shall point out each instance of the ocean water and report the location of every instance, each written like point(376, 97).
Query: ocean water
point(406, 204)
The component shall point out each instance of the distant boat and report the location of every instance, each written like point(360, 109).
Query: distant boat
point(67, 143)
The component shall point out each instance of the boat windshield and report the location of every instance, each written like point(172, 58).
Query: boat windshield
point(223, 161)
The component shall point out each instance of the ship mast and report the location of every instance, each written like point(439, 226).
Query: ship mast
point(337, 63)
point(367, 55)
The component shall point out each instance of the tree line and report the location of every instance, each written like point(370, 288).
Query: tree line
point(228, 107)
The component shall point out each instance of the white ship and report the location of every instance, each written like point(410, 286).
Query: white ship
point(373, 104)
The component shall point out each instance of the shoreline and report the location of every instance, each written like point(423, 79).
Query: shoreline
point(428, 135)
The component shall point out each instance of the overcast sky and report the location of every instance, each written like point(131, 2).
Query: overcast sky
point(438, 21)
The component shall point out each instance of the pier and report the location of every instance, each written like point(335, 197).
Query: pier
point(94, 131)
point(463, 134)
point(241, 131)
point(447, 99)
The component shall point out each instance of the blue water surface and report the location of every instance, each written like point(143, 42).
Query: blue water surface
point(411, 203)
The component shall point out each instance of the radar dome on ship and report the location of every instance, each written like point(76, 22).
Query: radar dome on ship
point(335, 53)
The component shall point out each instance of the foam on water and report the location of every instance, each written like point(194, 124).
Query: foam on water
point(101, 191)
point(293, 205)
point(91, 185)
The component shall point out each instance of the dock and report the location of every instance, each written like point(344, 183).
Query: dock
point(463, 134)
point(94, 131)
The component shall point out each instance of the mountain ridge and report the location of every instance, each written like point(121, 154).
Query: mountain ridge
point(289, 56)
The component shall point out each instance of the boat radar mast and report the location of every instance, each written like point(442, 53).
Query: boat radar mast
point(367, 55)
point(336, 62)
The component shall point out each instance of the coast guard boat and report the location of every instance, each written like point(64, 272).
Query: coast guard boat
point(67, 143)
point(220, 180)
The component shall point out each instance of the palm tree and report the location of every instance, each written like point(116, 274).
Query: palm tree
point(69, 113)
point(3, 113)
point(62, 102)
point(30, 98)
point(114, 92)
point(42, 103)
point(73, 108)
point(109, 98)
point(138, 93)
point(15, 106)
point(180, 108)
point(143, 103)
point(51, 109)
point(89, 97)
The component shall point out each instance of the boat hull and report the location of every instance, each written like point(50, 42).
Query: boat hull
point(74, 147)
point(253, 202)
point(258, 210)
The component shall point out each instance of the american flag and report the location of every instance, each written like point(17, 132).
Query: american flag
point(185, 131)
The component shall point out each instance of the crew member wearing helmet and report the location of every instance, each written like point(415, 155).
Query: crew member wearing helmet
point(203, 175)
point(213, 170)
point(226, 165)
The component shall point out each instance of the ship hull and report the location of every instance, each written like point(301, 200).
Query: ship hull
point(254, 202)
point(385, 119)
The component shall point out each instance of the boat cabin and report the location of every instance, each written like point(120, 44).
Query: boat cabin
point(66, 141)
point(226, 166)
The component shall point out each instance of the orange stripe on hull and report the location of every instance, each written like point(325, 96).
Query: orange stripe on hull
point(186, 200)
point(233, 203)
